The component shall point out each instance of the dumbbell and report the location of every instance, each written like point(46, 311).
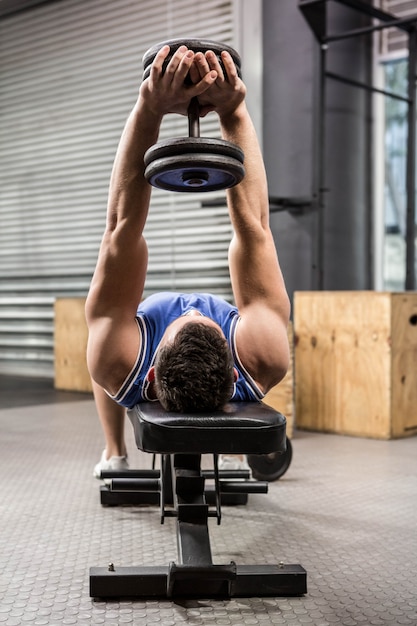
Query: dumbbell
point(193, 163)
point(270, 467)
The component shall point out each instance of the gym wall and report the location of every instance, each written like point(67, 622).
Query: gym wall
point(70, 72)
point(291, 136)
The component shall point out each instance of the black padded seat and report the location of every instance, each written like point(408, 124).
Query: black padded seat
point(240, 428)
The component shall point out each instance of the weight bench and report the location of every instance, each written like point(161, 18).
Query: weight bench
point(241, 428)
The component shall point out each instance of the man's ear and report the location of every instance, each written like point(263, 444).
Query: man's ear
point(150, 376)
point(236, 374)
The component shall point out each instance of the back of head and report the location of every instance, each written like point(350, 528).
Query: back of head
point(194, 372)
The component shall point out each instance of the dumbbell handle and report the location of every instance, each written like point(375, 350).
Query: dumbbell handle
point(194, 118)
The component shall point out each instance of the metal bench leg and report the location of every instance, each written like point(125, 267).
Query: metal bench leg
point(195, 574)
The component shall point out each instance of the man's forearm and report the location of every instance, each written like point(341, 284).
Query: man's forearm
point(129, 190)
point(248, 201)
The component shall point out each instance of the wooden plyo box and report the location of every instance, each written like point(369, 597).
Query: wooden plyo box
point(356, 363)
point(70, 345)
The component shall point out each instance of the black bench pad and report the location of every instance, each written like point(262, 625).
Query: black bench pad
point(240, 428)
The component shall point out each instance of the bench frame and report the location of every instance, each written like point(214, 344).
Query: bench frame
point(182, 482)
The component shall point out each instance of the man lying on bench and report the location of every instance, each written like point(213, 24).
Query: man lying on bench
point(192, 352)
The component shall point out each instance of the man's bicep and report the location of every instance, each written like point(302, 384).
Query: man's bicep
point(112, 349)
point(262, 345)
point(256, 275)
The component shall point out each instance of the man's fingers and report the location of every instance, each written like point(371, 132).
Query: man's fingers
point(201, 64)
point(204, 84)
point(208, 73)
point(230, 67)
point(213, 63)
point(182, 69)
point(194, 73)
point(175, 64)
point(198, 65)
point(158, 62)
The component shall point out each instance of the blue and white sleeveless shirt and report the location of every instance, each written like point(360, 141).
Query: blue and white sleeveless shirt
point(154, 315)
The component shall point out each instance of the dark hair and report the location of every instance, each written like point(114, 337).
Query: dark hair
point(194, 372)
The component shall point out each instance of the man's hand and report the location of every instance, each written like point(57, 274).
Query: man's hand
point(226, 92)
point(165, 91)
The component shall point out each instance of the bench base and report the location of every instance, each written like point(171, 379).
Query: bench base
point(198, 581)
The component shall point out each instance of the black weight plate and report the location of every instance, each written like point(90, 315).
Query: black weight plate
point(197, 45)
point(194, 173)
point(192, 145)
point(270, 467)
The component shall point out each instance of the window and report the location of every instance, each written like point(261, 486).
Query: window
point(395, 198)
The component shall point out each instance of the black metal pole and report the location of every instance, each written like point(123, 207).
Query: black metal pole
point(366, 30)
point(367, 8)
point(319, 174)
point(363, 7)
point(370, 88)
point(410, 273)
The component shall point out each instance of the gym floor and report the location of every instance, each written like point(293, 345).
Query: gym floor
point(346, 510)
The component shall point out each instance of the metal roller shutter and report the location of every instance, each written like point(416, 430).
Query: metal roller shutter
point(70, 72)
point(394, 41)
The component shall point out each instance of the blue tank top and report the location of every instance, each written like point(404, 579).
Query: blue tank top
point(154, 315)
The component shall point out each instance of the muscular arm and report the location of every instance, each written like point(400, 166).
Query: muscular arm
point(257, 281)
point(118, 281)
point(119, 277)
